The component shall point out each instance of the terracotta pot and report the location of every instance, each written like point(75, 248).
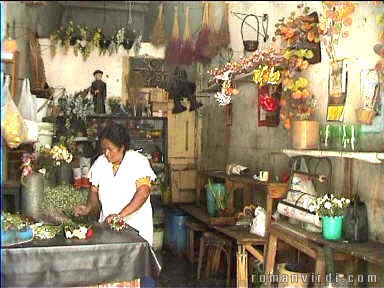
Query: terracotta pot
point(365, 116)
point(305, 134)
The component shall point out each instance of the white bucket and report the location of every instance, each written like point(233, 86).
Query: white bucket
point(45, 134)
point(158, 236)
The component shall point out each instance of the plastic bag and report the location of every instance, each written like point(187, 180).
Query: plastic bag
point(355, 223)
point(258, 223)
point(13, 127)
point(28, 103)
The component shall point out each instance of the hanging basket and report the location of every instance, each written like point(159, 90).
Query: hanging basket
point(250, 45)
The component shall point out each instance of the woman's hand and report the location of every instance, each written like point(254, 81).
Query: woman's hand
point(109, 218)
point(82, 210)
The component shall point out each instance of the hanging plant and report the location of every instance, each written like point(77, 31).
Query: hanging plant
point(130, 37)
point(104, 44)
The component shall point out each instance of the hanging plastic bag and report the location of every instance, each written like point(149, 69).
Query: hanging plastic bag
point(28, 103)
point(355, 223)
point(258, 223)
point(12, 125)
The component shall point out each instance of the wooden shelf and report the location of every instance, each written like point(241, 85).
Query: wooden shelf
point(371, 157)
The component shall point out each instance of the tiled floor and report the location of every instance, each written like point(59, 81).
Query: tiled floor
point(177, 271)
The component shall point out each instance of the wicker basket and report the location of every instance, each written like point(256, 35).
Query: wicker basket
point(277, 190)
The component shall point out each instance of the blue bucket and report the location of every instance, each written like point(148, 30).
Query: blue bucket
point(176, 236)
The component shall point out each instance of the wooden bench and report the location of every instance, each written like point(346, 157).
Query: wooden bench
point(315, 246)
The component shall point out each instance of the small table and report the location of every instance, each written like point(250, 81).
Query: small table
point(109, 256)
point(314, 245)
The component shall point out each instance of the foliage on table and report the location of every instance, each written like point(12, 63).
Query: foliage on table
point(13, 221)
point(43, 231)
point(329, 205)
point(60, 201)
point(77, 230)
point(40, 161)
point(333, 23)
point(85, 40)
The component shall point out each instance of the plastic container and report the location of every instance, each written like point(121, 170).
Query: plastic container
point(211, 204)
point(45, 133)
point(332, 227)
point(176, 234)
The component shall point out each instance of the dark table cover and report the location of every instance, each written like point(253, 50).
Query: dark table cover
point(109, 256)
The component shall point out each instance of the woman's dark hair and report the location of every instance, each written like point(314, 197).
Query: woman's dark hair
point(116, 133)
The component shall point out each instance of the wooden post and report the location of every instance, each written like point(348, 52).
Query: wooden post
point(271, 254)
point(242, 267)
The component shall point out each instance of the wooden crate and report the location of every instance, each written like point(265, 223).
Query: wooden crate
point(183, 184)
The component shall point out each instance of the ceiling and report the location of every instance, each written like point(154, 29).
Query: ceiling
point(137, 6)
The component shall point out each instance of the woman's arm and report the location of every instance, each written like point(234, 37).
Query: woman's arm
point(138, 200)
point(92, 202)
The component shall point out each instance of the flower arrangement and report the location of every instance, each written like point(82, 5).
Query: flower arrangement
point(297, 101)
point(333, 23)
point(118, 224)
point(264, 75)
point(77, 230)
point(331, 206)
point(61, 155)
point(39, 161)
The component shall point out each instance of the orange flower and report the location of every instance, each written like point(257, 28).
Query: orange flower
point(345, 34)
point(305, 93)
point(306, 26)
point(347, 21)
point(283, 102)
point(296, 95)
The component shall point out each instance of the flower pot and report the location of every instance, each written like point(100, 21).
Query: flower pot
point(64, 174)
point(305, 134)
point(365, 116)
point(332, 227)
point(32, 189)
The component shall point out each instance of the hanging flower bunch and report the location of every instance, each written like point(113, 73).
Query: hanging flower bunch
point(331, 206)
point(333, 23)
point(61, 155)
point(83, 40)
point(379, 49)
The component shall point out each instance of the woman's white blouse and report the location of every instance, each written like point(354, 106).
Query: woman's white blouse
point(116, 191)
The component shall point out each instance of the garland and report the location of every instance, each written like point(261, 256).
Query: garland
point(84, 40)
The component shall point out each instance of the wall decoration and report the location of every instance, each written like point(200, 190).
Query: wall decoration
point(268, 105)
point(337, 90)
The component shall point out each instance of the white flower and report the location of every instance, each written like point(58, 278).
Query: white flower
point(68, 234)
point(58, 163)
point(83, 230)
point(47, 146)
point(312, 208)
point(347, 201)
point(327, 205)
point(42, 171)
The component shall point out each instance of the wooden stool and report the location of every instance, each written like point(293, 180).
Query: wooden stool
point(218, 246)
point(193, 227)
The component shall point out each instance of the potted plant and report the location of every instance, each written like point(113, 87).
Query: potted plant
point(220, 197)
point(331, 210)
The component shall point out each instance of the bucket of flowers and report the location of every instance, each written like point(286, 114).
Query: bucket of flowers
point(62, 157)
point(331, 210)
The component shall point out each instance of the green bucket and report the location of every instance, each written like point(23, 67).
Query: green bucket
point(332, 227)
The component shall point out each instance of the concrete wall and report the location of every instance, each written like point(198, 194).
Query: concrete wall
point(42, 19)
point(259, 147)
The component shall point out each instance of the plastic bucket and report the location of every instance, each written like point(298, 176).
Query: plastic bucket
point(211, 204)
point(180, 232)
point(332, 227)
point(171, 226)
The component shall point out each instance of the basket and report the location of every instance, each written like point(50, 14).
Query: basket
point(365, 116)
point(277, 190)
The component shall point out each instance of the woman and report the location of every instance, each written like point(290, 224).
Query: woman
point(121, 181)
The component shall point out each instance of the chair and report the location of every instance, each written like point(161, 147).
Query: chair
point(213, 246)
point(192, 229)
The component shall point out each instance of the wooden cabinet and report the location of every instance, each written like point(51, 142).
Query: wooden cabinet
point(182, 137)
point(183, 183)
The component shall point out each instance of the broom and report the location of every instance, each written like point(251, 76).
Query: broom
point(187, 51)
point(158, 33)
point(172, 53)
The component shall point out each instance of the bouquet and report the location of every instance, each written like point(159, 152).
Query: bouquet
point(331, 206)
point(77, 230)
point(39, 161)
point(61, 155)
point(119, 224)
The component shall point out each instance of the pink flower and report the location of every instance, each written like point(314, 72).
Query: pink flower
point(27, 170)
